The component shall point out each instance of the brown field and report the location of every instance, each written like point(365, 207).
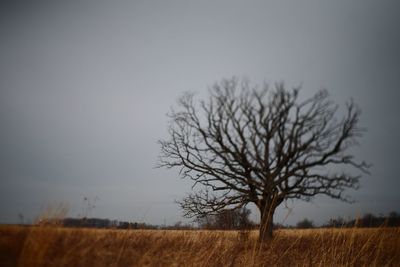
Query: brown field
point(52, 246)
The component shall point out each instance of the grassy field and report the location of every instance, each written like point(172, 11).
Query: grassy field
point(52, 246)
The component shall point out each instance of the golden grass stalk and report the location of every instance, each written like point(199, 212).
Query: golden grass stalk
point(58, 246)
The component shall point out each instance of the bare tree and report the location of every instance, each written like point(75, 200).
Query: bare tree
point(254, 145)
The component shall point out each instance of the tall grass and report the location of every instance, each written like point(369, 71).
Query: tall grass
point(57, 246)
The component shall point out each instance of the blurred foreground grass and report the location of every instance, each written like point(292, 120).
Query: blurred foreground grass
point(57, 246)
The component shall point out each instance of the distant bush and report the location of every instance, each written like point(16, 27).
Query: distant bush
point(305, 224)
point(227, 219)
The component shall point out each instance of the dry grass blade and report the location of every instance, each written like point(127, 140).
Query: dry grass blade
point(57, 246)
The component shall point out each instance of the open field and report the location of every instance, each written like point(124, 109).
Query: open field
point(52, 246)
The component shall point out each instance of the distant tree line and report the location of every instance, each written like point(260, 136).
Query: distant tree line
point(229, 219)
point(96, 223)
point(367, 220)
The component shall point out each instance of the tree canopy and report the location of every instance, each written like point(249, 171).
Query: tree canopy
point(258, 145)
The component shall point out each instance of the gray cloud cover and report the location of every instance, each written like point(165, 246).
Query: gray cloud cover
point(85, 86)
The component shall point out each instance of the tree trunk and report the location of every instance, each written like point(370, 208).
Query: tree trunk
point(266, 223)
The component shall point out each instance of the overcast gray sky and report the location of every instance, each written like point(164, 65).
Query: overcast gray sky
point(85, 86)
